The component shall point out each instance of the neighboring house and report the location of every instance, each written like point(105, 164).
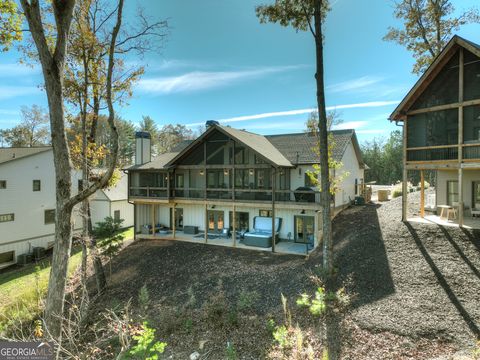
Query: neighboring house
point(441, 122)
point(223, 182)
point(27, 201)
point(112, 202)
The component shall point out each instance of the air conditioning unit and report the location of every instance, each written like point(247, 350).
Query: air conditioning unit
point(24, 259)
point(38, 253)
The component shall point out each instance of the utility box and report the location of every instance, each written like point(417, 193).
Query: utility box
point(382, 195)
point(24, 259)
point(38, 253)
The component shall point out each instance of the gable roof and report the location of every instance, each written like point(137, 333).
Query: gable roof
point(119, 191)
point(15, 153)
point(289, 145)
point(255, 142)
point(299, 148)
point(159, 162)
point(445, 55)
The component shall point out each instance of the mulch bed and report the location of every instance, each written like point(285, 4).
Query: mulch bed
point(415, 289)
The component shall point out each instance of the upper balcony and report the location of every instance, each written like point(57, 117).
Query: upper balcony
point(221, 185)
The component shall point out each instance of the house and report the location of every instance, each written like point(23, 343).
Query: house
point(112, 202)
point(237, 188)
point(27, 202)
point(441, 129)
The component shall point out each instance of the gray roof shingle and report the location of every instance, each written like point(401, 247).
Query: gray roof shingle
point(10, 154)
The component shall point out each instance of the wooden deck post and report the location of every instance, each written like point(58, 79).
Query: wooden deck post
point(460, 197)
point(273, 209)
point(174, 219)
point(206, 223)
point(234, 228)
point(405, 174)
point(460, 137)
point(153, 219)
point(422, 194)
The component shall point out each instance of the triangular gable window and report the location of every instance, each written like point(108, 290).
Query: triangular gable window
point(472, 76)
point(443, 89)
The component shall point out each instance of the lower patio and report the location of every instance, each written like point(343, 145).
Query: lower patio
point(283, 246)
point(468, 222)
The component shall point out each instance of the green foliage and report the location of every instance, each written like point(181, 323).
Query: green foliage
point(280, 335)
point(384, 158)
point(146, 347)
point(271, 326)
point(188, 325)
point(295, 13)
point(10, 24)
point(144, 298)
point(109, 231)
point(231, 353)
point(318, 305)
point(427, 27)
point(247, 299)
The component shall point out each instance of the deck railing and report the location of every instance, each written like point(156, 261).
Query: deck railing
point(222, 194)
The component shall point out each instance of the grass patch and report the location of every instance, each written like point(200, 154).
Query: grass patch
point(21, 290)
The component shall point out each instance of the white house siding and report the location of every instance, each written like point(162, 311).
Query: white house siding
point(126, 211)
point(101, 207)
point(443, 176)
point(28, 229)
point(346, 192)
point(194, 215)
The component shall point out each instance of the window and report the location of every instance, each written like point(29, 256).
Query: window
point(267, 213)
point(476, 195)
point(308, 179)
point(7, 217)
point(116, 215)
point(241, 178)
point(356, 186)
point(49, 216)
point(180, 181)
point(452, 192)
point(241, 155)
point(259, 160)
point(80, 184)
point(215, 179)
point(262, 179)
point(241, 221)
point(3, 184)
point(36, 185)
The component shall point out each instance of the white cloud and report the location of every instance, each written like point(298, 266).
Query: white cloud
point(7, 92)
point(350, 125)
point(371, 131)
point(13, 69)
point(204, 80)
point(299, 112)
point(362, 83)
point(9, 112)
point(364, 105)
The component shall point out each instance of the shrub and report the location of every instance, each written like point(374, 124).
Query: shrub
point(231, 352)
point(396, 193)
point(246, 300)
point(143, 299)
point(146, 346)
point(216, 308)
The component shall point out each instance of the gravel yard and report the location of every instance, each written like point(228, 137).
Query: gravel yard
point(416, 288)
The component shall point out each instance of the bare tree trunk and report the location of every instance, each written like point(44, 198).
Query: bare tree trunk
point(53, 72)
point(325, 196)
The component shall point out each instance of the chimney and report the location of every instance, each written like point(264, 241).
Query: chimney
point(211, 123)
point(142, 147)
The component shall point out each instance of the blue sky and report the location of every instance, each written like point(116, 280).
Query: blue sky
point(220, 63)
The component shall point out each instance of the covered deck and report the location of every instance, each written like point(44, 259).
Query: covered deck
point(282, 246)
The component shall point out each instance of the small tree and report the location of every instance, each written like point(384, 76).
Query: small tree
point(309, 15)
point(109, 237)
